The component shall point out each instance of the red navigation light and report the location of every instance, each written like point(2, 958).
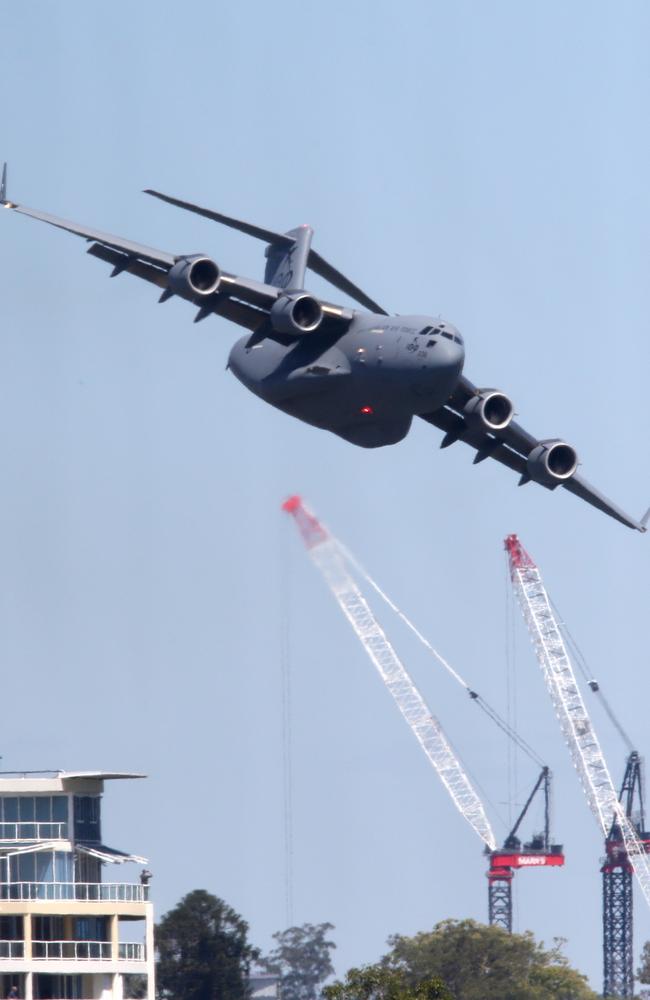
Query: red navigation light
point(366, 410)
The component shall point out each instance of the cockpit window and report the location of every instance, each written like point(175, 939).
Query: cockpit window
point(427, 330)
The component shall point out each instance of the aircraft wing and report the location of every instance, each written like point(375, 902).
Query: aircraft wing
point(241, 300)
point(513, 446)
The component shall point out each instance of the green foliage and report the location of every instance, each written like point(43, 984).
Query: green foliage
point(134, 986)
point(643, 972)
point(377, 982)
point(302, 958)
point(203, 952)
point(472, 962)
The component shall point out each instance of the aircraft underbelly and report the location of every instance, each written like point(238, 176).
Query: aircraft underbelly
point(370, 406)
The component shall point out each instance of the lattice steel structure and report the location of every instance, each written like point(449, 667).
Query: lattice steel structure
point(618, 970)
point(329, 558)
point(539, 852)
point(618, 925)
point(579, 733)
point(626, 842)
point(500, 899)
point(336, 565)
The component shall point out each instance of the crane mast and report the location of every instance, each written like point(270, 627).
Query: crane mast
point(329, 558)
point(618, 953)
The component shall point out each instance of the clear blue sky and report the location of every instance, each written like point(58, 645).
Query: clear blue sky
point(486, 161)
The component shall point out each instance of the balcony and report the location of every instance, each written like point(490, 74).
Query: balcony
point(91, 892)
point(84, 951)
point(12, 949)
point(73, 951)
point(33, 831)
point(130, 952)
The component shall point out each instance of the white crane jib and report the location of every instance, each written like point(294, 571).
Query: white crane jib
point(577, 728)
point(329, 556)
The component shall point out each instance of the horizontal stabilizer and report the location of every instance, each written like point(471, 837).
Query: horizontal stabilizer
point(315, 262)
point(277, 239)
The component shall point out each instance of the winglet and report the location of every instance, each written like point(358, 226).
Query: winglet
point(644, 520)
point(3, 185)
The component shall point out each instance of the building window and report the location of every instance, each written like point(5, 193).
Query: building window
point(86, 818)
point(87, 869)
point(91, 929)
point(33, 817)
point(46, 866)
point(11, 929)
point(47, 987)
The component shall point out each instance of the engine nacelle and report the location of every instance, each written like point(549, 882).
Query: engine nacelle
point(489, 410)
point(552, 463)
point(194, 277)
point(296, 314)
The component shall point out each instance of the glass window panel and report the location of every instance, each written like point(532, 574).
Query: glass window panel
point(86, 817)
point(11, 928)
point(63, 867)
point(25, 868)
point(43, 808)
point(91, 929)
point(59, 808)
point(10, 810)
point(45, 867)
point(26, 807)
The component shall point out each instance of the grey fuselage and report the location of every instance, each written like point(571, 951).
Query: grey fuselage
point(367, 385)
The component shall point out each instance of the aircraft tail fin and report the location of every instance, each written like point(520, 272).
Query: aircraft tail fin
point(286, 265)
point(3, 184)
point(287, 253)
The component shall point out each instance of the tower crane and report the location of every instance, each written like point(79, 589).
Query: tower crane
point(617, 871)
point(333, 561)
point(626, 841)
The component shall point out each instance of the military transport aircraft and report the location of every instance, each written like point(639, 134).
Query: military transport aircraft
point(363, 375)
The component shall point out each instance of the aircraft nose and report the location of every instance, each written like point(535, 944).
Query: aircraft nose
point(451, 356)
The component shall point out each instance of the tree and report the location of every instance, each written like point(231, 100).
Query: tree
point(203, 951)
point(377, 982)
point(643, 972)
point(476, 962)
point(302, 959)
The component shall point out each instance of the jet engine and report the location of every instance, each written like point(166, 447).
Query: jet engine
point(552, 463)
point(489, 410)
point(296, 314)
point(194, 277)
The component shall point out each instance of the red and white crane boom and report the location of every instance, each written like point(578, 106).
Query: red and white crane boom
point(329, 557)
point(575, 723)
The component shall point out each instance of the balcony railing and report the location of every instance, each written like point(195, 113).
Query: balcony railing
point(33, 831)
point(12, 949)
point(83, 951)
point(75, 950)
point(132, 952)
point(92, 892)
